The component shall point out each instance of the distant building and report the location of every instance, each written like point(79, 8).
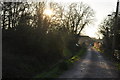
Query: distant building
point(85, 40)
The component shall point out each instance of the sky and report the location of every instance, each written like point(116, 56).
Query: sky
point(102, 8)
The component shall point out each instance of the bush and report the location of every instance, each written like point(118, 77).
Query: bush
point(63, 66)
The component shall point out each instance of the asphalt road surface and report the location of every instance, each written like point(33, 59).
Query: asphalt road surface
point(93, 65)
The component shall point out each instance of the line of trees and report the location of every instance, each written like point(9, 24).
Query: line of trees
point(107, 29)
point(27, 31)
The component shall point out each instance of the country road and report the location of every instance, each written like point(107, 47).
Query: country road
point(92, 65)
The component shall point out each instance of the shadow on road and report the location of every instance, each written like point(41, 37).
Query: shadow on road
point(93, 65)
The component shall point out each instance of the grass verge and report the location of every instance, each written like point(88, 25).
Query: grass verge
point(61, 67)
point(118, 66)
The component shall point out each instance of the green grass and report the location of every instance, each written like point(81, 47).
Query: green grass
point(98, 49)
point(118, 66)
point(51, 74)
point(58, 69)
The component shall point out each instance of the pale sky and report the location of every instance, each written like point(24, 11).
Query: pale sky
point(101, 7)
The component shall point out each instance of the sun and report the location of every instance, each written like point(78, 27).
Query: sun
point(48, 12)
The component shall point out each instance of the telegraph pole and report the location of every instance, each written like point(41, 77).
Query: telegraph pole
point(115, 26)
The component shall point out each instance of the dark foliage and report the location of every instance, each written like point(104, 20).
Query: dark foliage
point(29, 49)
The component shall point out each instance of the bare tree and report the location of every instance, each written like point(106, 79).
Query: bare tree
point(106, 29)
point(74, 17)
point(12, 12)
point(78, 16)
